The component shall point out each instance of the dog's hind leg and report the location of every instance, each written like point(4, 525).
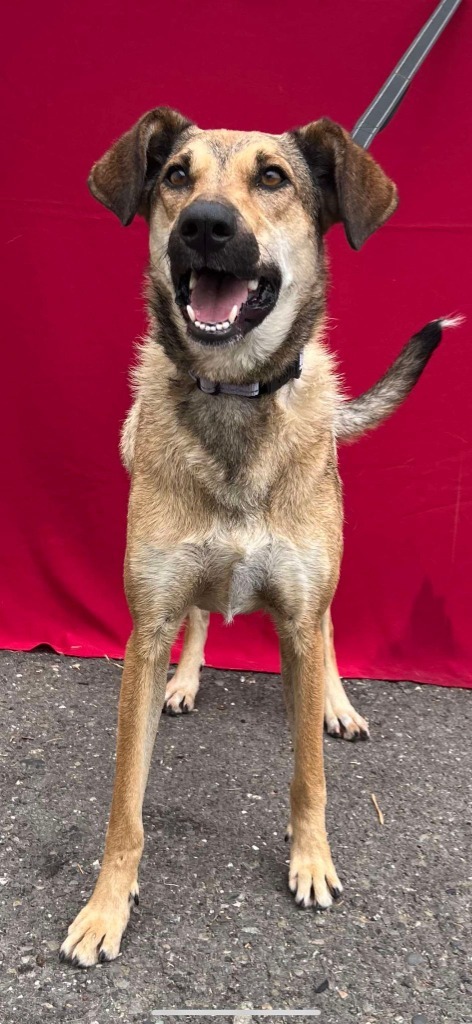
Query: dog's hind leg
point(184, 685)
point(95, 934)
point(341, 719)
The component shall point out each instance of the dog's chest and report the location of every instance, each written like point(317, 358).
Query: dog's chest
point(230, 571)
point(243, 573)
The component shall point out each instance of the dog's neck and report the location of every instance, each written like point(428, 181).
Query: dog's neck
point(251, 391)
point(232, 429)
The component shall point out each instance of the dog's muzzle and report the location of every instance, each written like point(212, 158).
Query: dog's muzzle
point(221, 287)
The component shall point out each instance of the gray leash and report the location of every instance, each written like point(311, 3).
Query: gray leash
point(385, 104)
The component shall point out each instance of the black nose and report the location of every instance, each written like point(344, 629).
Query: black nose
point(207, 226)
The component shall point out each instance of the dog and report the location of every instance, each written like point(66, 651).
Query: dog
point(235, 501)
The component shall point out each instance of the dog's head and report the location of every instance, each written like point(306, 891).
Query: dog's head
point(237, 223)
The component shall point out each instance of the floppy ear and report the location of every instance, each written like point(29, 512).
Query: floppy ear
point(123, 179)
point(351, 185)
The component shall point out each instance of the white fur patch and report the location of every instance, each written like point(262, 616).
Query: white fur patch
point(265, 339)
point(452, 321)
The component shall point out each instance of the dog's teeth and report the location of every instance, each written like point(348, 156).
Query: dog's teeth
point(191, 314)
point(213, 327)
point(233, 315)
point(198, 324)
point(225, 325)
point(193, 280)
point(253, 285)
point(207, 327)
point(219, 327)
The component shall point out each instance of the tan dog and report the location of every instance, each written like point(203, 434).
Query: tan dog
point(235, 499)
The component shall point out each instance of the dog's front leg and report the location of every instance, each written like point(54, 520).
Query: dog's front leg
point(97, 930)
point(312, 876)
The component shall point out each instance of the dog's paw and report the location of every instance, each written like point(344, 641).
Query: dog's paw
point(180, 695)
point(313, 879)
point(95, 934)
point(343, 721)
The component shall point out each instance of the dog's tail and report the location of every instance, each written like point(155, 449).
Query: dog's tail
point(355, 416)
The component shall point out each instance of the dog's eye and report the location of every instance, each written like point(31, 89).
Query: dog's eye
point(177, 176)
point(272, 178)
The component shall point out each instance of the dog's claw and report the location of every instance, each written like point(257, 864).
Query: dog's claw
point(349, 727)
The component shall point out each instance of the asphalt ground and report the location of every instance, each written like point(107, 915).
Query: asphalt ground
point(217, 927)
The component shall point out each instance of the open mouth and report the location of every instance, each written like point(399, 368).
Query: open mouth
point(219, 306)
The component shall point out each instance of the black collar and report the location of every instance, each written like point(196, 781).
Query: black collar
point(256, 390)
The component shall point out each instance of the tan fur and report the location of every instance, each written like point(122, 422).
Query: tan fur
point(233, 506)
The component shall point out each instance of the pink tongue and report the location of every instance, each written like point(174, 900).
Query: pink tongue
point(215, 295)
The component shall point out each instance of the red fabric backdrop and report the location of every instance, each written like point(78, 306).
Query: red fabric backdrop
point(77, 75)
